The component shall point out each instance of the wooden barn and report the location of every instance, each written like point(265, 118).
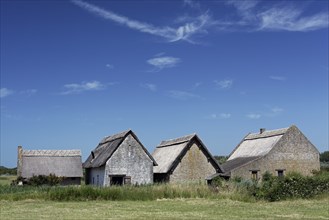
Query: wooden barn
point(183, 159)
point(119, 159)
point(62, 163)
point(276, 151)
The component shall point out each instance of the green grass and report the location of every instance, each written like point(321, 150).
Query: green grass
point(6, 180)
point(165, 209)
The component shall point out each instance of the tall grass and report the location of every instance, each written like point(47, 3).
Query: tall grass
point(118, 193)
point(271, 189)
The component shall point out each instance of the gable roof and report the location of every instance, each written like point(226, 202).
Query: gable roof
point(257, 145)
point(107, 147)
point(252, 147)
point(168, 153)
point(64, 163)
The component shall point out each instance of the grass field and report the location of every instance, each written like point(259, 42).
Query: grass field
point(6, 180)
point(165, 209)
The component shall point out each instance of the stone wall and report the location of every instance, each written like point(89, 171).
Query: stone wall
point(130, 159)
point(194, 166)
point(293, 153)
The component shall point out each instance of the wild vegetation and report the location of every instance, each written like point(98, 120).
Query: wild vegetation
point(292, 186)
point(7, 171)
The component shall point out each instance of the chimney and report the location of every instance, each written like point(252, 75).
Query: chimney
point(261, 131)
point(19, 160)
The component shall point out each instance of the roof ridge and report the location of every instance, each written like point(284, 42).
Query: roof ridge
point(266, 134)
point(114, 136)
point(176, 141)
point(51, 153)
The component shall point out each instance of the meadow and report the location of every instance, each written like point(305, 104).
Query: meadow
point(229, 200)
point(165, 209)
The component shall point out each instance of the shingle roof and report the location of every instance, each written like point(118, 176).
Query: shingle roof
point(64, 163)
point(107, 147)
point(168, 153)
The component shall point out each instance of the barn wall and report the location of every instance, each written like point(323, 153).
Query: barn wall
point(193, 166)
point(96, 176)
point(293, 152)
point(131, 160)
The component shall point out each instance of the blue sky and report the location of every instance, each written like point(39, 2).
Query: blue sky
point(73, 72)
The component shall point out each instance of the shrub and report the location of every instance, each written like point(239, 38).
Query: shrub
point(294, 185)
point(40, 180)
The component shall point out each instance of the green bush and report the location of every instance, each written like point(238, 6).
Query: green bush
point(293, 185)
point(40, 180)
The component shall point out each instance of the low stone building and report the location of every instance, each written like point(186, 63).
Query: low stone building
point(276, 151)
point(63, 163)
point(183, 159)
point(119, 159)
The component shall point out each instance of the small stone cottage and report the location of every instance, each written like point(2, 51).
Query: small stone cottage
point(183, 159)
point(63, 163)
point(118, 160)
point(276, 151)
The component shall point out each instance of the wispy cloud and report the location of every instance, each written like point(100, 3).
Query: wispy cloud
point(4, 92)
point(291, 19)
point(75, 88)
point(182, 95)
point(197, 85)
point(271, 112)
point(224, 84)
point(109, 66)
point(149, 86)
point(183, 32)
point(29, 92)
point(219, 116)
point(244, 8)
point(163, 62)
point(275, 17)
point(275, 111)
point(192, 4)
point(278, 78)
point(254, 116)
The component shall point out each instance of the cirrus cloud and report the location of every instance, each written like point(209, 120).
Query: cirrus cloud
point(76, 88)
point(198, 25)
point(224, 84)
point(163, 62)
point(4, 92)
point(182, 95)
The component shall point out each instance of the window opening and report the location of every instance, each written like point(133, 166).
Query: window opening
point(254, 175)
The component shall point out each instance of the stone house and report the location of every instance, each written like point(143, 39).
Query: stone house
point(63, 163)
point(183, 159)
point(276, 151)
point(119, 159)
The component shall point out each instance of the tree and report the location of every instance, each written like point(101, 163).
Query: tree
point(221, 159)
point(324, 157)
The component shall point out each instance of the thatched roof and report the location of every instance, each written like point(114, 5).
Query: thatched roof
point(107, 147)
point(168, 153)
point(252, 147)
point(256, 145)
point(64, 163)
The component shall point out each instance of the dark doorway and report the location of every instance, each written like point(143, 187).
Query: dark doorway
point(161, 178)
point(117, 180)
